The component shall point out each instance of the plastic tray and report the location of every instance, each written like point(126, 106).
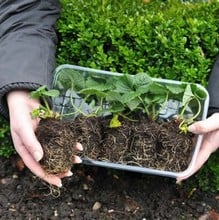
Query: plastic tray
point(63, 104)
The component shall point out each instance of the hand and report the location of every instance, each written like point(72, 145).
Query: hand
point(25, 142)
point(210, 130)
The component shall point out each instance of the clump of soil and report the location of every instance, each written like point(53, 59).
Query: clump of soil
point(58, 144)
point(87, 131)
point(115, 141)
point(141, 142)
point(147, 143)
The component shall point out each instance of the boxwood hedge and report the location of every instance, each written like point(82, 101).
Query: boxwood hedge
point(167, 39)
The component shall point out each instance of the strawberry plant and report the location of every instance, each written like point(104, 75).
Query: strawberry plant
point(127, 94)
point(44, 111)
point(122, 120)
point(57, 146)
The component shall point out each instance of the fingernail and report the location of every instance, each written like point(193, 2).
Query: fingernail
point(79, 146)
point(69, 173)
point(59, 185)
point(191, 128)
point(78, 159)
point(37, 156)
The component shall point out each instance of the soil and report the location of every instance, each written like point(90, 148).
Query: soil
point(102, 194)
point(141, 142)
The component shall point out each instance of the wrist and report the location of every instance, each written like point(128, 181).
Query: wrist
point(20, 98)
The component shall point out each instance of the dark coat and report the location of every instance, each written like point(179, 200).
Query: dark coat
point(213, 88)
point(27, 45)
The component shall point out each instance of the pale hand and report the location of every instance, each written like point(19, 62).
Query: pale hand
point(22, 127)
point(210, 130)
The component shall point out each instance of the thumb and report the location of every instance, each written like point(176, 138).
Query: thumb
point(205, 126)
point(202, 157)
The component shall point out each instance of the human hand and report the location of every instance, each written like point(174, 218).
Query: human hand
point(22, 127)
point(210, 130)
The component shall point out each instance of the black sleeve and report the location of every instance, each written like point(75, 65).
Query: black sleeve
point(27, 45)
point(213, 88)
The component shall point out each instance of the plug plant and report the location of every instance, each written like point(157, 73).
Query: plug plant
point(56, 142)
point(44, 111)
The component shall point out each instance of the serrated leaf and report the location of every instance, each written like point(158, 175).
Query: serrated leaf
point(141, 79)
point(133, 104)
point(198, 91)
point(113, 96)
point(127, 97)
point(124, 84)
point(143, 89)
point(100, 86)
point(71, 79)
point(187, 95)
point(116, 108)
point(52, 93)
point(92, 91)
point(175, 89)
point(156, 88)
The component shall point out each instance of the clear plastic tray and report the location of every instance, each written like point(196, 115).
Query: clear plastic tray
point(63, 104)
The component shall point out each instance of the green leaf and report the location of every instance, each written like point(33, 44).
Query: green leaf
point(175, 89)
point(133, 104)
point(113, 96)
point(159, 99)
point(115, 123)
point(197, 91)
point(98, 85)
point(116, 108)
point(70, 79)
point(156, 88)
point(92, 91)
point(141, 79)
point(144, 88)
point(187, 95)
point(127, 97)
point(52, 93)
point(124, 84)
point(38, 93)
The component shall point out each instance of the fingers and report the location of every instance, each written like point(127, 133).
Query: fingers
point(205, 126)
point(66, 174)
point(79, 147)
point(209, 145)
point(201, 159)
point(26, 134)
point(21, 124)
point(77, 159)
point(35, 167)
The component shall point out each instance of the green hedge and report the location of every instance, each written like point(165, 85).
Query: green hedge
point(6, 146)
point(167, 39)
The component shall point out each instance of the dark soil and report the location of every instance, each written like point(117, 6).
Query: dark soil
point(102, 194)
point(140, 142)
point(57, 140)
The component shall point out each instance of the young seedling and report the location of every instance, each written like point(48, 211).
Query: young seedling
point(44, 111)
point(134, 93)
point(188, 97)
point(121, 96)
